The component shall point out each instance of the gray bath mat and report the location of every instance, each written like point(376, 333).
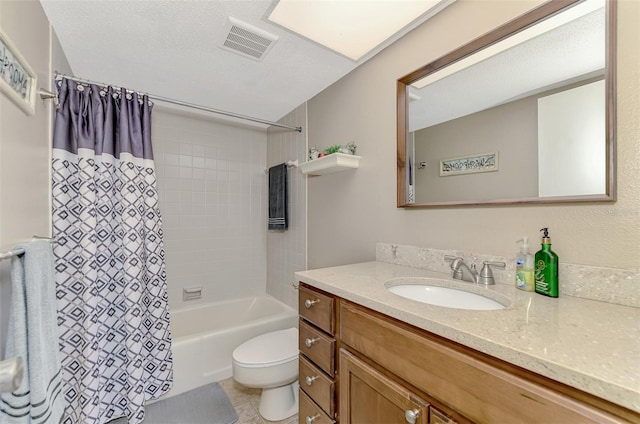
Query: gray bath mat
point(205, 405)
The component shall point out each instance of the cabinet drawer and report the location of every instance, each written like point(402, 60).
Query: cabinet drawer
point(438, 417)
point(477, 389)
point(317, 347)
point(309, 412)
point(317, 385)
point(317, 308)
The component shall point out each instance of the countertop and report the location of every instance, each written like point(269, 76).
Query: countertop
point(590, 345)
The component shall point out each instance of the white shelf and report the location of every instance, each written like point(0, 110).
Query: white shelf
point(335, 162)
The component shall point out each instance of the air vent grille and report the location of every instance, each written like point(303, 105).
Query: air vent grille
point(247, 40)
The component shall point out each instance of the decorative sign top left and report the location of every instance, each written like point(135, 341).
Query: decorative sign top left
point(17, 79)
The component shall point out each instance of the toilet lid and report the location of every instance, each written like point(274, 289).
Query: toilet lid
point(271, 348)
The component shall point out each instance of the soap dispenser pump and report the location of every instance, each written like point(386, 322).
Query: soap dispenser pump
point(546, 275)
point(525, 266)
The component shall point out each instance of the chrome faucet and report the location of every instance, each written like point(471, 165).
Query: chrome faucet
point(461, 271)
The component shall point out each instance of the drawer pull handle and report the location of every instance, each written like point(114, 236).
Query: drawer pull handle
point(310, 342)
point(309, 303)
point(411, 415)
point(310, 420)
point(309, 380)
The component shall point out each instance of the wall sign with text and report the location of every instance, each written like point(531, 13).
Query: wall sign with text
point(17, 79)
point(486, 162)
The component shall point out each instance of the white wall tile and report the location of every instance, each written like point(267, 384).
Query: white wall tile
point(214, 216)
point(199, 151)
point(171, 159)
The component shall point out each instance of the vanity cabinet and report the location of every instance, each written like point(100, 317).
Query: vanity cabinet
point(388, 371)
point(317, 367)
point(471, 386)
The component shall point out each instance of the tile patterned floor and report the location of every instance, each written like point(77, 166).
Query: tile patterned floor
point(246, 401)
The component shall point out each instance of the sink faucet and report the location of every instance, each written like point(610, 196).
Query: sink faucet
point(461, 271)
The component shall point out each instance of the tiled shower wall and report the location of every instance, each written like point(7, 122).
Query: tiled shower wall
point(212, 187)
point(287, 250)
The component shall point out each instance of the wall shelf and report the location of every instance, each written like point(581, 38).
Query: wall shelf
point(335, 162)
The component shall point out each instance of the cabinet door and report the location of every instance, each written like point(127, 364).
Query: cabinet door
point(369, 397)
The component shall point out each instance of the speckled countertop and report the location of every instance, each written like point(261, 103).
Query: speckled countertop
point(591, 345)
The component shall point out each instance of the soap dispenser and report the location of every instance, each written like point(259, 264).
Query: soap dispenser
point(525, 267)
point(546, 276)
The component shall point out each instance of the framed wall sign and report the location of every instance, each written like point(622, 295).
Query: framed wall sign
point(17, 79)
point(486, 162)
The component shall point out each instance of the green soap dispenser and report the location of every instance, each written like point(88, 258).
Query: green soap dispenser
point(546, 268)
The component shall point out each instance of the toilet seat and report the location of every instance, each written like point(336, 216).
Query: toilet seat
point(270, 349)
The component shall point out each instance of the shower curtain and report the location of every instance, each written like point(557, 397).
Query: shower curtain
point(113, 314)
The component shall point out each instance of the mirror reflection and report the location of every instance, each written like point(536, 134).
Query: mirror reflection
point(524, 119)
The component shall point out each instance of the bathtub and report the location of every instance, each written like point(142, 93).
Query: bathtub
point(205, 335)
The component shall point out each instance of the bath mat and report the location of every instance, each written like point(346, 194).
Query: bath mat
point(205, 405)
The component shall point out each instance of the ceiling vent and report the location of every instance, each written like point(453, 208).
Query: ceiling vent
point(247, 40)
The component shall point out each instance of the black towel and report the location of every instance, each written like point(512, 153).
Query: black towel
point(278, 216)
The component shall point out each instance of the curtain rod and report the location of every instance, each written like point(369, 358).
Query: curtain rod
point(185, 104)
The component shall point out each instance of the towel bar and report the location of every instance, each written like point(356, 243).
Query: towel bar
point(19, 251)
point(11, 253)
point(290, 164)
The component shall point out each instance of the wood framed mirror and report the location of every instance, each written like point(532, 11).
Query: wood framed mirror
point(523, 114)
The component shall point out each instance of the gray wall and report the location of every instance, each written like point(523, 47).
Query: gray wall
point(350, 211)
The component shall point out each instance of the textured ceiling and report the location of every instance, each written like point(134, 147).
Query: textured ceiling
point(569, 53)
point(170, 48)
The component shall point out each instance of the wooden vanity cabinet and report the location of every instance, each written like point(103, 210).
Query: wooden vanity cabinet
point(472, 386)
point(364, 367)
point(317, 366)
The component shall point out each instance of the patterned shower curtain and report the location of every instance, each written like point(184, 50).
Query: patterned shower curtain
point(113, 314)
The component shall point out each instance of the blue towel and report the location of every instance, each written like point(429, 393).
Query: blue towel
point(278, 216)
point(33, 335)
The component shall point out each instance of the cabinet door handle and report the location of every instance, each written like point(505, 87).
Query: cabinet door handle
point(411, 415)
point(310, 420)
point(309, 380)
point(309, 303)
point(310, 342)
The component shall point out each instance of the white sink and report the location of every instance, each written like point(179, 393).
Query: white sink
point(445, 296)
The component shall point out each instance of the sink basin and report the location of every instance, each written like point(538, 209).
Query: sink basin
point(445, 296)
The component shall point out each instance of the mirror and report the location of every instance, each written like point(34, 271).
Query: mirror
point(524, 114)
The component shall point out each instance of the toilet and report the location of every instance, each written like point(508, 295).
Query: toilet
point(270, 362)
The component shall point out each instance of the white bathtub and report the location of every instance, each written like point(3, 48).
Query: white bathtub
point(205, 335)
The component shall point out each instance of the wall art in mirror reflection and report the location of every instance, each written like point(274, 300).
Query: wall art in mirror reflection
point(485, 162)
